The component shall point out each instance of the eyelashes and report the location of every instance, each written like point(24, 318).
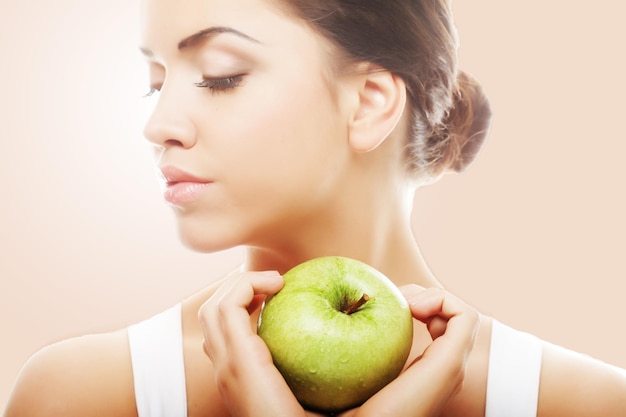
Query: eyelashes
point(221, 84)
point(214, 84)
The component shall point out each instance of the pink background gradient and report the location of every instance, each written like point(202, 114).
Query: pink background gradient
point(532, 234)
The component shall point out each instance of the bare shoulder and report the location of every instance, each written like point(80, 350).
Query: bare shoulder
point(576, 385)
point(84, 376)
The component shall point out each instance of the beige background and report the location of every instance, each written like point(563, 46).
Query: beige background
point(533, 233)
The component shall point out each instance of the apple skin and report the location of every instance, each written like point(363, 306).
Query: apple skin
point(333, 361)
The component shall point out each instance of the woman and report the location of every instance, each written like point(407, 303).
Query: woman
point(300, 129)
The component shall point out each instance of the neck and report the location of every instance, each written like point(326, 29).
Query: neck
point(378, 234)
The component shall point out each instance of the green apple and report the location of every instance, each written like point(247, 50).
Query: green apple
point(339, 331)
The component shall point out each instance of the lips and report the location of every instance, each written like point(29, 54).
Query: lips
point(182, 187)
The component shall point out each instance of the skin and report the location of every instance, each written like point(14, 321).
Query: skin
point(294, 176)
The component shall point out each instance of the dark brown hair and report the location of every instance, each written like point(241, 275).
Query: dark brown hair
point(416, 40)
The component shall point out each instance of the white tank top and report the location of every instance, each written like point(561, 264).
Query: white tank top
point(156, 350)
point(514, 371)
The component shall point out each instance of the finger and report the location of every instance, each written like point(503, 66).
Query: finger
point(436, 307)
point(207, 315)
point(240, 357)
point(256, 303)
point(233, 308)
point(427, 385)
point(209, 306)
point(453, 322)
point(225, 285)
point(219, 307)
point(437, 326)
point(426, 303)
point(415, 295)
point(213, 344)
point(204, 312)
point(225, 319)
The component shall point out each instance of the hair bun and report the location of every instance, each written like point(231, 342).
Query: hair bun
point(467, 123)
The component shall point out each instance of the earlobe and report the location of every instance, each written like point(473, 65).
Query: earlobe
point(382, 99)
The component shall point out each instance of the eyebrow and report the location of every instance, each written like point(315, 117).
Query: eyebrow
point(193, 40)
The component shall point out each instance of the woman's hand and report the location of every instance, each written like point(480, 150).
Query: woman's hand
point(251, 385)
point(247, 379)
point(426, 386)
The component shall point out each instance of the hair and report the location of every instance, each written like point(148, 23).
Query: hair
point(416, 40)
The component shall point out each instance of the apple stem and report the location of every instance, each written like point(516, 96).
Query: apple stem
point(355, 306)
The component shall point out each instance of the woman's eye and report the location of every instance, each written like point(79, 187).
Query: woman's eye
point(221, 84)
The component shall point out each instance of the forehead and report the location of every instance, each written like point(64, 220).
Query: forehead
point(165, 22)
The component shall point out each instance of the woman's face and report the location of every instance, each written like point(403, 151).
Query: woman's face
point(250, 139)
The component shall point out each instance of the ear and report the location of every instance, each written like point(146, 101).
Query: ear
point(382, 99)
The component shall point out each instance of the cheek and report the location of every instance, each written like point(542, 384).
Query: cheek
point(275, 130)
point(277, 156)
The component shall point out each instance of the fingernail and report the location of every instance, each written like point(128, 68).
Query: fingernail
point(416, 294)
point(271, 274)
point(412, 293)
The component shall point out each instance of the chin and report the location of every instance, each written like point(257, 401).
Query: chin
point(206, 245)
point(205, 241)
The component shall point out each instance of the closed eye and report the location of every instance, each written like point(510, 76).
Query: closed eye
point(218, 84)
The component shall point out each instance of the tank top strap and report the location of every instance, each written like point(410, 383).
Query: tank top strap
point(514, 372)
point(156, 350)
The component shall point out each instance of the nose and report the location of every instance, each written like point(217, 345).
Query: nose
point(169, 124)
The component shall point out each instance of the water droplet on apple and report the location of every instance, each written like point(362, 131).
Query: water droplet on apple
point(313, 371)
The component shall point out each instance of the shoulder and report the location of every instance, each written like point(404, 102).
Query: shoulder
point(83, 376)
point(564, 382)
point(573, 384)
point(570, 384)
